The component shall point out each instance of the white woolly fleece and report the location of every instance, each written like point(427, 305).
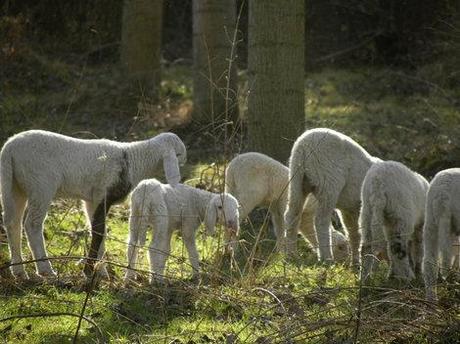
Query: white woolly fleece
point(257, 180)
point(331, 166)
point(38, 166)
point(166, 209)
point(441, 232)
point(392, 216)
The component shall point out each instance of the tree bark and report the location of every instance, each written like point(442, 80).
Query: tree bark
point(215, 92)
point(141, 43)
point(276, 114)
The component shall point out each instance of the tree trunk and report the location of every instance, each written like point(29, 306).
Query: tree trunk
point(276, 114)
point(215, 98)
point(141, 43)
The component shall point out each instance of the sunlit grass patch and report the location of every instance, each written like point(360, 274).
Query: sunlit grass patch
point(261, 295)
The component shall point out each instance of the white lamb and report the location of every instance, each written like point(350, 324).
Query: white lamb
point(166, 209)
point(392, 213)
point(332, 167)
point(257, 180)
point(441, 231)
point(37, 166)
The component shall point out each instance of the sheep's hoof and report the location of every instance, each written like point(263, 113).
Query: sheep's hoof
point(398, 281)
point(91, 282)
point(431, 297)
point(157, 282)
point(48, 274)
point(129, 280)
point(99, 268)
point(102, 272)
point(37, 278)
point(19, 273)
point(327, 262)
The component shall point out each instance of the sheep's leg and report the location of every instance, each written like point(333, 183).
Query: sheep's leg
point(430, 256)
point(12, 216)
point(97, 246)
point(137, 234)
point(160, 247)
point(456, 254)
point(366, 242)
point(90, 209)
point(90, 212)
point(323, 217)
point(446, 239)
point(277, 221)
point(417, 250)
point(350, 219)
point(247, 204)
point(188, 236)
point(298, 193)
point(397, 237)
point(36, 213)
point(307, 225)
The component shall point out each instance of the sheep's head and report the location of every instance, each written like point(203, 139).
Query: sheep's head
point(341, 246)
point(223, 209)
point(174, 155)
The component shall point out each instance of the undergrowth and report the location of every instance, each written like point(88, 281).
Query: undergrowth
point(259, 297)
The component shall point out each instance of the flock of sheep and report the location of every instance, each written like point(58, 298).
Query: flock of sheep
point(387, 209)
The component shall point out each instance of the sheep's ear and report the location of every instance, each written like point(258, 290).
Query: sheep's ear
point(210, 219)
point(171, 168)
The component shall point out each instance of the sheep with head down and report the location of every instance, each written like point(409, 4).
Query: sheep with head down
point(331, 166)
point(392, 215)
point(257, 180)
point(441, 231)
point(167, 208)
point(38, 166)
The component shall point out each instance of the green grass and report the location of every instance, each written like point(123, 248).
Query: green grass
point(275, 300)
point(410, 116)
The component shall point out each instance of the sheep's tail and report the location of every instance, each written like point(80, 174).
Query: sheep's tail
point(139, 216)
point(298, 190)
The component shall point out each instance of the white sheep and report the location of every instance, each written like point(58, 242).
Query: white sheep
point(441, 232)
point(38, 166)
point(166, 208)
point(257, 180)
point(332, 167)
point(392, 215)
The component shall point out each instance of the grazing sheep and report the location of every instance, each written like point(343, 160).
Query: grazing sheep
point(331, 166)
point(258, 180)
point(392, 212)
point(182, 207)
point(37, 166)
point(441, 231)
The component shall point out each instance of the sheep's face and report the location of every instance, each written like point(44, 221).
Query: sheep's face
point(227, 215)
point(171, 143)
point(179, 149)
point(181, 153)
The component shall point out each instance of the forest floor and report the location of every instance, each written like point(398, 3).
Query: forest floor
point(410, 116)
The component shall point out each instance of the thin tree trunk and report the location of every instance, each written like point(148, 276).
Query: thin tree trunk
point(141, 43)
point(215, 78)
point(276, 114)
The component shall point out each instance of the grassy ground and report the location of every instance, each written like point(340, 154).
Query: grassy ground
point(410, 116)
